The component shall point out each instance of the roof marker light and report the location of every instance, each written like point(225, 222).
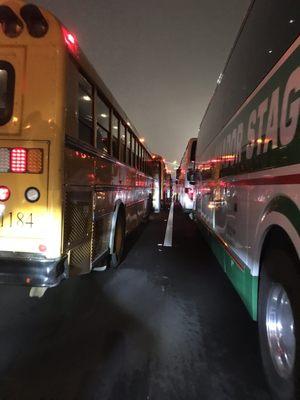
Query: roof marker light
point(12, 26)
point(36, 23)
point(71, 41)
point(71, 38)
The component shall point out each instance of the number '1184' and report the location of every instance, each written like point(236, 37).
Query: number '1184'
point(16, 219)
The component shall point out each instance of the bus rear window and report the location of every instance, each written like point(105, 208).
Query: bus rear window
point(7, 84)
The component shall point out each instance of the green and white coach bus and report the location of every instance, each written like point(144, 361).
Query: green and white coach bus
point(248, 181)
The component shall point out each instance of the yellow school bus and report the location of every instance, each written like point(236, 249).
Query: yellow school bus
point(74, 175)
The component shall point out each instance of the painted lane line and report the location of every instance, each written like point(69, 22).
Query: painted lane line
point(169, 230)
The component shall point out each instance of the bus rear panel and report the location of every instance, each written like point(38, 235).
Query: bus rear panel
point(32, 69)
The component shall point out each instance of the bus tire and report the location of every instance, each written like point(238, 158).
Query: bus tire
point(278, 310)
point(119, 241)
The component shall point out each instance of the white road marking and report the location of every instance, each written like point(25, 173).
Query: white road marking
point(169, 230)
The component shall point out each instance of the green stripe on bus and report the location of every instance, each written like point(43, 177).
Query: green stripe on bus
point(245, 284)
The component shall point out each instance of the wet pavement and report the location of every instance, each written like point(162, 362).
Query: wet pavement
point(166, 325)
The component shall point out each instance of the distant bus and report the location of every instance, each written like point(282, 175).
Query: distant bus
point(185, 177)
point(248, 186)
point(163, 189)
point(168, 189)
point(74, 176)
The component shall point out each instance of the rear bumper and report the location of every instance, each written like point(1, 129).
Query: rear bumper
point(28, 270)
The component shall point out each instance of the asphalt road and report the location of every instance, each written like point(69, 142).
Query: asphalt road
point(166, 325)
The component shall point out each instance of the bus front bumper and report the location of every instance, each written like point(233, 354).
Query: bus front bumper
point(17, 269)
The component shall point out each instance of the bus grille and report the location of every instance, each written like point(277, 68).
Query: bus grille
point(81, 257)
point(78, 228)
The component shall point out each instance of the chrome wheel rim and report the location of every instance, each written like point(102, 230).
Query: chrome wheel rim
point(280, 330)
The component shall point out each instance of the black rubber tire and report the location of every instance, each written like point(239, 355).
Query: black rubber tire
point(118, 253)
point(280, 264)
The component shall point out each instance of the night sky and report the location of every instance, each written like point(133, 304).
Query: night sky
point(160, 58)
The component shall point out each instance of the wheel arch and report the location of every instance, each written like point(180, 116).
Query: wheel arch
point(276, 234)
point(280, 217)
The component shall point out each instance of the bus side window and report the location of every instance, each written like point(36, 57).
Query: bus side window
point(138, 149)
point(133, 151)
point(102, 118)
point(148, 165)
point(142, 160)
point(262, 40)
point(138, 155)
point(85, 111)
point(115, 136)
point(122, 143)
point(128, 147)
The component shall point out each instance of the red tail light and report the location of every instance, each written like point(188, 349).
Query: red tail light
point(18, 160)
point(4, 193)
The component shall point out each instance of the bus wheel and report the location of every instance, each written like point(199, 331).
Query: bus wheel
point(119, 241)
point(279, 320)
